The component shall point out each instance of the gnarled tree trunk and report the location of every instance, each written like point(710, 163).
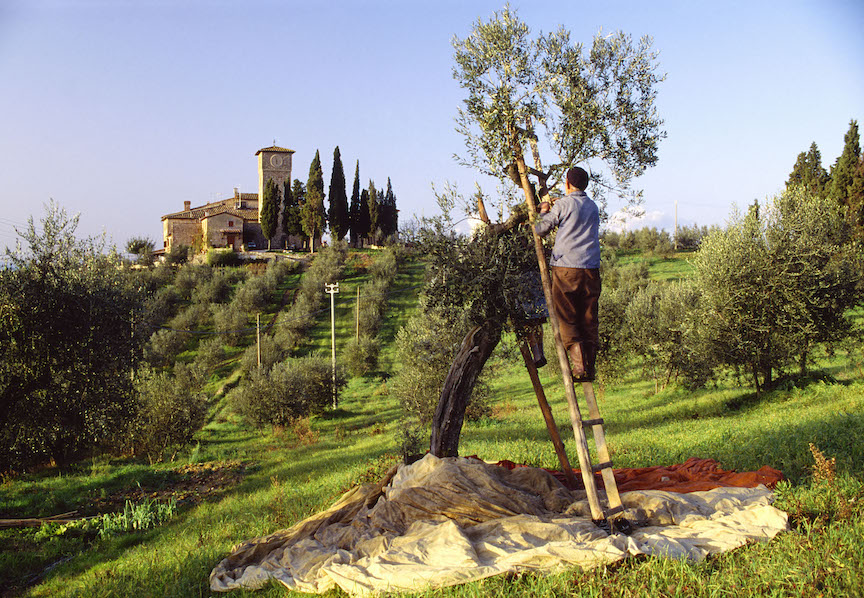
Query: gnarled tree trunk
point(467, 365)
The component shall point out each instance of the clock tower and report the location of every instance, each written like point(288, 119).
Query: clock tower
point(273, 163)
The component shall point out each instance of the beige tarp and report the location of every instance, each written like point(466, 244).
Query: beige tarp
point(441, 522)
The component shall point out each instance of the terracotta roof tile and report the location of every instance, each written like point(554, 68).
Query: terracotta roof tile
point(274, 148)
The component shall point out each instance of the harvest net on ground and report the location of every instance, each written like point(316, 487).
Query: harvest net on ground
point(441, 522)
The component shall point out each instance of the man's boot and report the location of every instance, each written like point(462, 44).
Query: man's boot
point(577, 362)
point(535, 341)
point(589, 351)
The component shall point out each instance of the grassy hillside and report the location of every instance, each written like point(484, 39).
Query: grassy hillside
point(236, 482)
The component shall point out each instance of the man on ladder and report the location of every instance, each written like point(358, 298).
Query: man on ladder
point(575, 270)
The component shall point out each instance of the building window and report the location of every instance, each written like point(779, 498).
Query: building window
point(230, 223)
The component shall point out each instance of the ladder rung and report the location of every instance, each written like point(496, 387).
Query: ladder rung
point(592, 422)
point(614, 510)
point(602, 466)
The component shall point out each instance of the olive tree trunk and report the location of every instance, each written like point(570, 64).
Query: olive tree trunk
point(467, 365)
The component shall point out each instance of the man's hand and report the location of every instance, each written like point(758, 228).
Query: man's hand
point(544, 207)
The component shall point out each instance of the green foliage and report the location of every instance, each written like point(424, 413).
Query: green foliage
point(843, 172)
point(71, 331)
point(135, 517)
point(663, 329)
point(774, 286)
point(209, 354)
point(374, 211)
point(312, 213)
point(178, 254)
point(389, 218)
point(215, 290)
point(163, 347)
point(143, 248)
point(268, 212)
point(291, 389)
point(354, 210)
point(222, 257)
point(620, 285)
point(230, 322)
point(595, 105)
point(170, 410)
point(294, 199)
point(809, 173)
point(361, 355)
point(337, 215)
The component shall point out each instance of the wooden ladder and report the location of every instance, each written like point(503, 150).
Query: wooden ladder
point(612, 516)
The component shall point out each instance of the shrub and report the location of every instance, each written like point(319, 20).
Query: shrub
point(663, 329)
point(190, 276)
point(271, 354)
point(253, 295)
point(192, 318)
point(361, 357)
point(177, 255)
point(162, 306)
point(211, 353)
point(221, 257)
point(164, 346)
point(292, 388)
point(215, 290)
point(170, 409)
point(230, 323)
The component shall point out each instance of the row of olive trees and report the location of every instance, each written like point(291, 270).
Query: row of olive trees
point(361, 352)
point(768, 290)
point(279, 388)
point(657, 242)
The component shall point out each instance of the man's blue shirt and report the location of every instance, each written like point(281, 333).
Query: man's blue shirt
point(577, 244)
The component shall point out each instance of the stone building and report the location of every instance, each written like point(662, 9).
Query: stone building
point(232, 222)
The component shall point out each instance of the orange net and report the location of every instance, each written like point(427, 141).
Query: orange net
point(691, 476)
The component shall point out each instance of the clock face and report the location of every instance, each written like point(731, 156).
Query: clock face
point(276, 160)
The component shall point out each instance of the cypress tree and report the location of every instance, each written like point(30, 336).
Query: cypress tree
point(363, 216)
point(298, 196)
point(374, 212)
point(338, 213)
point(389, 213)
point(268, 211)
point(313, 215)
point(843, 171)
point(354, 210)
point(809, 173)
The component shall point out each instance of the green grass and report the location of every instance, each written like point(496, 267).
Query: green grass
point(293, 473)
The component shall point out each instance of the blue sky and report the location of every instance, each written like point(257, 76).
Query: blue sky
point(123, 109)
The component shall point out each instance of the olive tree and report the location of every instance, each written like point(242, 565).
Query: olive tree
point(776, 281)
point(543, 93)
point(71, 330)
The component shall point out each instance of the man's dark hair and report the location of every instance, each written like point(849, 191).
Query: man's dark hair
point(577, 177)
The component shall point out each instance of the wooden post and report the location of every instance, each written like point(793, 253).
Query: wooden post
point(566, 469)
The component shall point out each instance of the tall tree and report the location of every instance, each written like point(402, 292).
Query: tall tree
point(809, 173)
point(337, 215)
point(526, 92)
point(354, 210)
point(298, 198)
point(291, 199)
point(843, 171)
point(374, 212)
point(268, 211)
point(313, 214)
point(389, 213)
point(855, 213)
point(72, 326)
point(363, 225)
point(547, 92)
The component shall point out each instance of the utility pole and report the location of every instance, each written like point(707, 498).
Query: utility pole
point(333, 289)
point(258, 325)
